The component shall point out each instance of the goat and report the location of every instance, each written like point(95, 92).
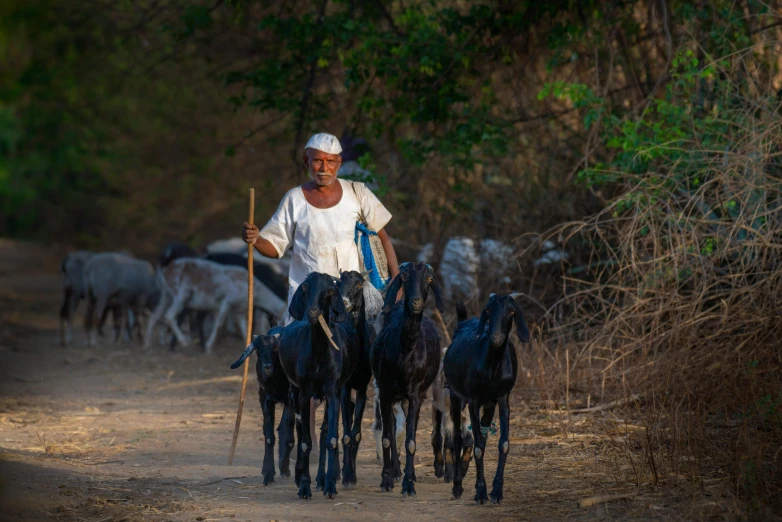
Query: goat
point(442, 431)
point(175, 251)
point(118, 280)
point(273, 388)
point(202, 285)
point(261, 271)
point(362, 302)
point(405, 358)
point(74, 289)
point(480, 367)
point(316, 368)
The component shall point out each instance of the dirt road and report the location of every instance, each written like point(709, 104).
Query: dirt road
point(117, 433)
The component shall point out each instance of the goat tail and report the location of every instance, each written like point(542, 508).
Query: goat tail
point(461, 312)
point(244, 356)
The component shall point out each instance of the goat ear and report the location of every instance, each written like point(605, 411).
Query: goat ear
point(438, 298)
point(298, 304)
point(393, 289)
point(482, 322)
point(521, 326)
point(338, 310)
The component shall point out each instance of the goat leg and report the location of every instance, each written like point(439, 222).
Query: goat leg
point(408, 481)
point(437, 441)
point(467, 444)
point(294, 401)
point(332, 413)
point(305, 446)
point(499, 478)
point(267, 471)
point(451, 458)
point(361, 403)
point(481, 496)
point(387, 414)
point(456, 415)
point(397, 430)
point(348, 472)
point(320, 478)
point(285, 429)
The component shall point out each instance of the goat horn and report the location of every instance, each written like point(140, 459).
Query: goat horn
point(514, 295)
point(366, 272)
point(327, 331)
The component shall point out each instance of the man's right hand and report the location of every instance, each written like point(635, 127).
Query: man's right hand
point(250, 233)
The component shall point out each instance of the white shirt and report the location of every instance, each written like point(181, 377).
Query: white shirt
point(323, 239)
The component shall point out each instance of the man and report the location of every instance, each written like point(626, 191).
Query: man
point(318, 221)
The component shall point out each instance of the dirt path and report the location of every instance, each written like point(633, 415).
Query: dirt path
point(117, 433)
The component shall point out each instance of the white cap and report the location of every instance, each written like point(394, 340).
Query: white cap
point(324, 142)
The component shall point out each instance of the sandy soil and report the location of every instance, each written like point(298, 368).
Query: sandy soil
point(118, 433)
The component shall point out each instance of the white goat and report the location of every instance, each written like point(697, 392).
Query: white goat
point(198, 284)
point(114, 279)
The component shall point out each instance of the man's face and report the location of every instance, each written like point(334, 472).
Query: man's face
point(322, 166)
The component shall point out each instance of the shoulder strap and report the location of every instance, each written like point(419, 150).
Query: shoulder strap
point(358, 200)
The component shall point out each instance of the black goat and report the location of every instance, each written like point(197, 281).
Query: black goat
point(405, 359)
point(273, 388)
point(480, 367)
point(352, 291)
point(175, 251)
point(317, 368)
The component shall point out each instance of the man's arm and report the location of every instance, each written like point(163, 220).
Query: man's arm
point(388, 247)
point(251, 235)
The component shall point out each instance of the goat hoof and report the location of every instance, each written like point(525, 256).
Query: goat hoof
point(408, 487)
point(496, 491)
point(386, 482)
point(457, 491)
point(330, 489)
point(481, 497)
point(320, 481)
point(448, 476)
point(304, 490)
point(268, 478)
point(438, 469)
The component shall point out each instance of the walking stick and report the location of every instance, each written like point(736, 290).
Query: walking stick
point(249, 337)
point(439, 318)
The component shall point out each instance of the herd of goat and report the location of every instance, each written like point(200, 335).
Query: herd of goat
point(332, 349)
point(342, 335)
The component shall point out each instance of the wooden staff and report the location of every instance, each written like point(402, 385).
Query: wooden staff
point(439, 318)
point(249, 337)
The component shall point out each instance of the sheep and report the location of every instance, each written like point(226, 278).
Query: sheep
point(318, 363)
point(119, 280)
point(405, 358)
point(362, 302)
point(273, 388)
point(480, 367)
point(202, 285)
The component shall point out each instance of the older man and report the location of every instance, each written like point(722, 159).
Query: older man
point(318, 219)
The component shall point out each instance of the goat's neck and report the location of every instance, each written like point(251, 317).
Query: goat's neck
point(320, 341)
point(411, 329)
point(493, 356)
point(360, 321)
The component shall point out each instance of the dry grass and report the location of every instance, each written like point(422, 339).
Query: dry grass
point(675, 311)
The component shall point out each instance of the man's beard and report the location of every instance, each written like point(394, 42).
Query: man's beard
point(320, 181)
